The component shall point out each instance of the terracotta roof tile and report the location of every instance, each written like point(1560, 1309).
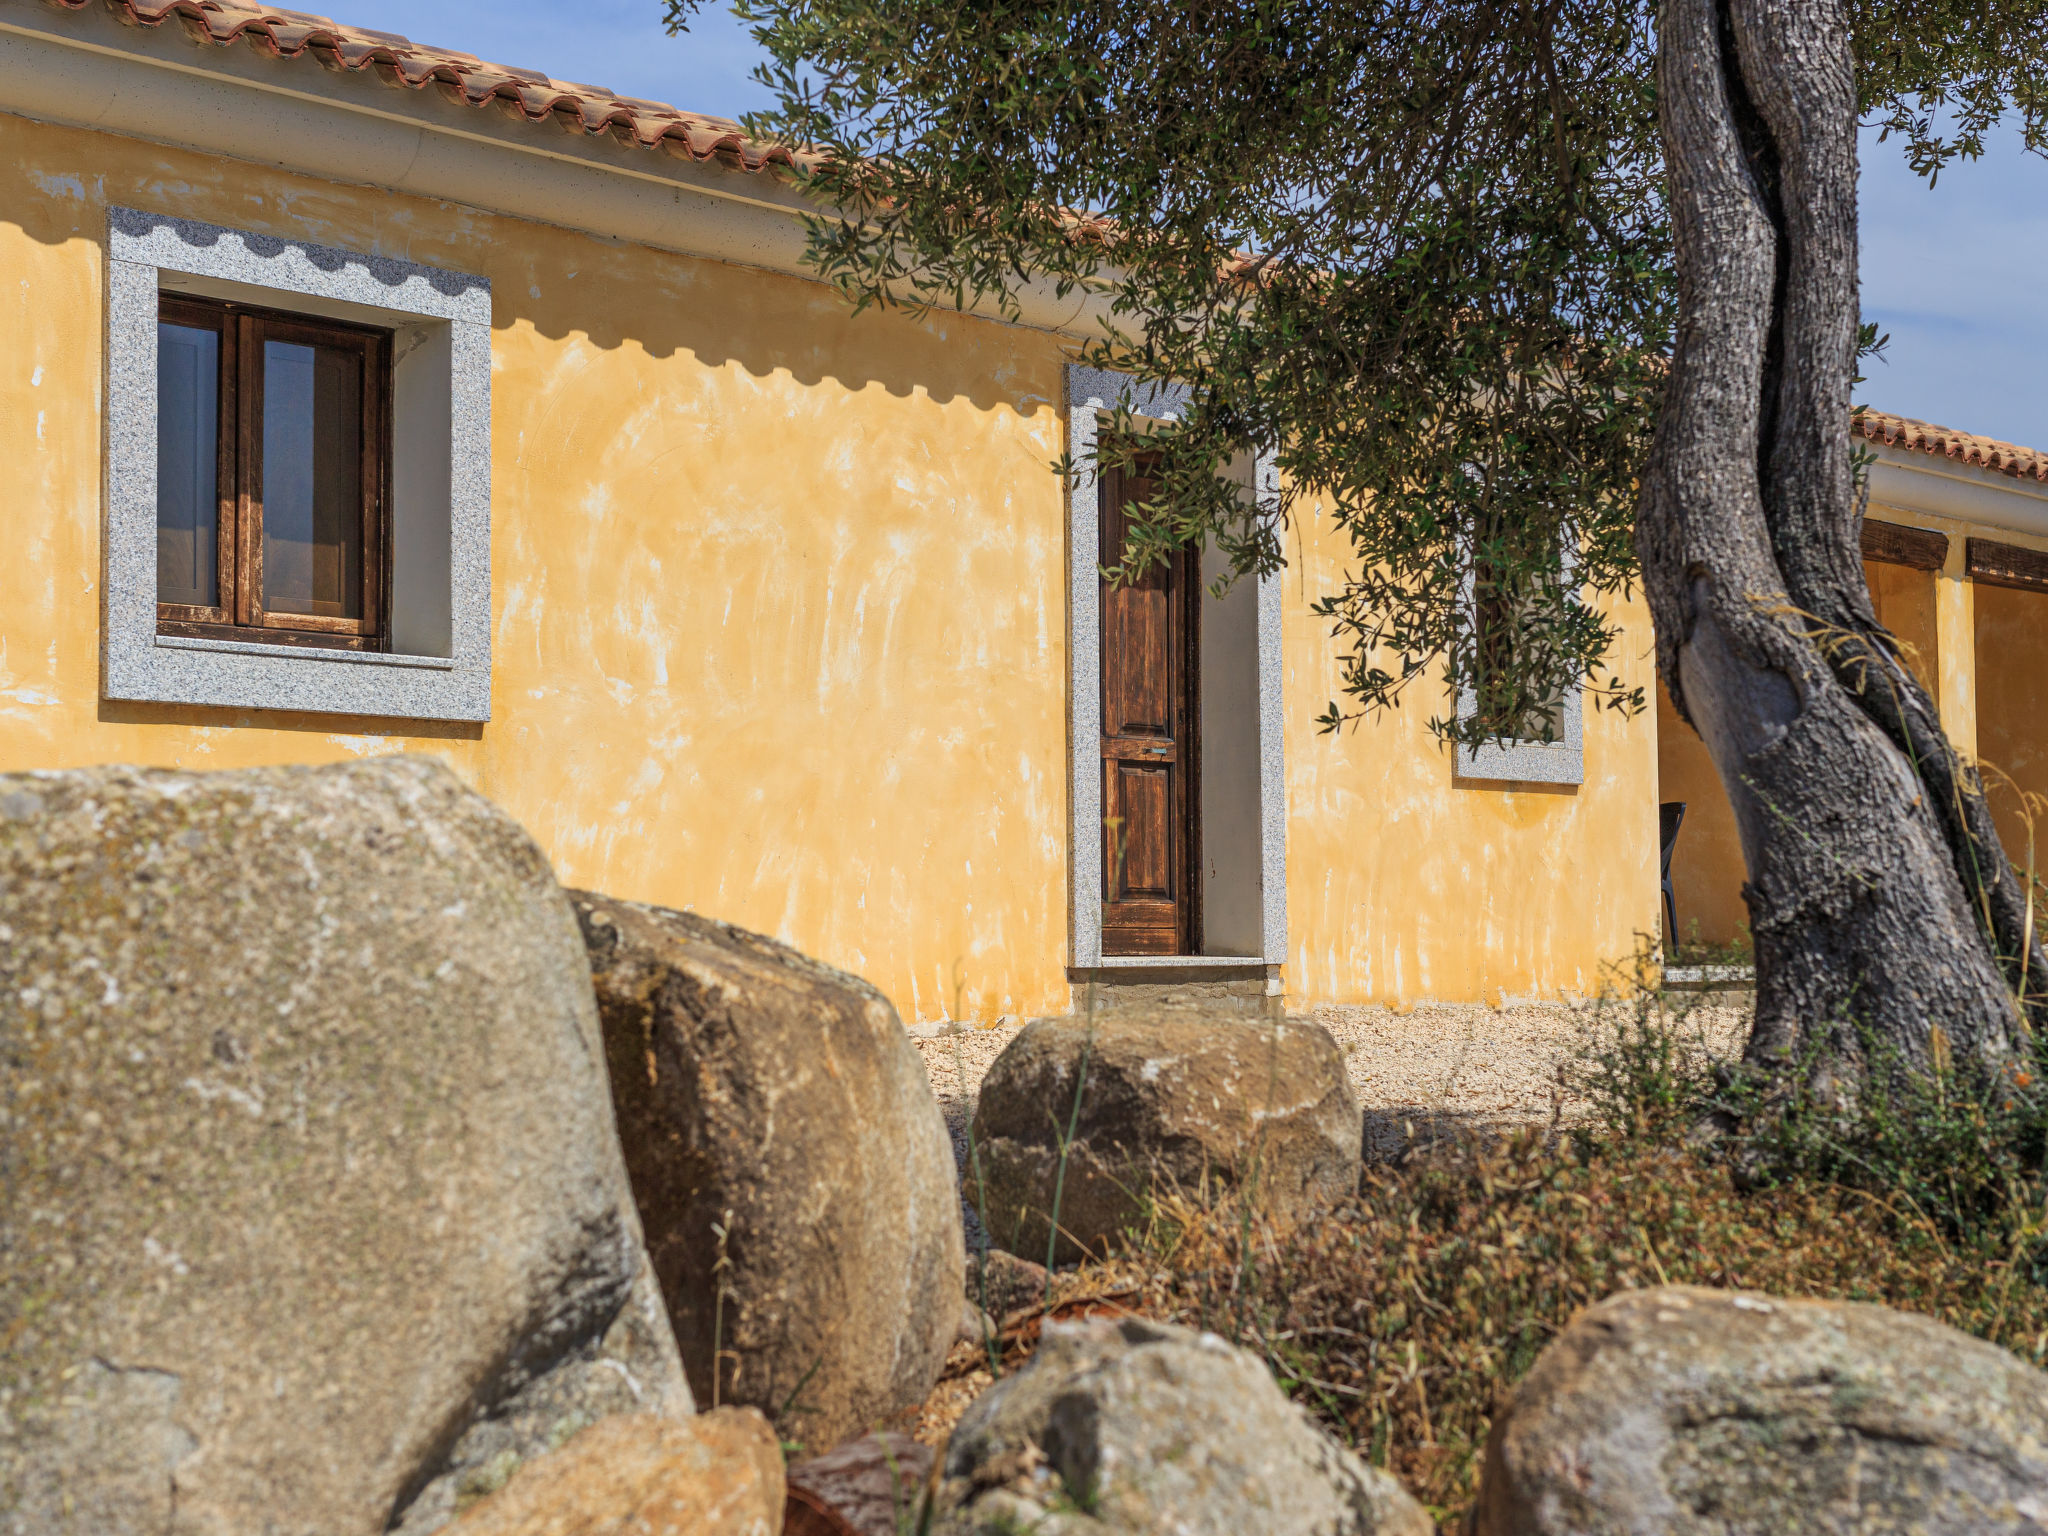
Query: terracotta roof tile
point(531, 94)
point(1965, 447)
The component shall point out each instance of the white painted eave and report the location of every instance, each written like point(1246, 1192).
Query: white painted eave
point(161, 85)
point(1909, 481)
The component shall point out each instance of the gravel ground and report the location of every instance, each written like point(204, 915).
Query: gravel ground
point(956, 1065)
point(1442, 1066)
point(1434, 1068)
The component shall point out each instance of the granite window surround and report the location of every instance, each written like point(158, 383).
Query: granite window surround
point(1527, 762)
point(438, 666)
point(1243, 789)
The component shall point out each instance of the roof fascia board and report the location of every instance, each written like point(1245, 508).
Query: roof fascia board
point(158, 84)
point(1911, 481)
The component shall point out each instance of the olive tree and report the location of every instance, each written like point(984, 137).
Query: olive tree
point(1536, 299)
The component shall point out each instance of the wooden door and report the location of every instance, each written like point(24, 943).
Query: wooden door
point(1149, 747)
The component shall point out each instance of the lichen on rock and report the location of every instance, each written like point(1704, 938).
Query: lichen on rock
point(310, 1168)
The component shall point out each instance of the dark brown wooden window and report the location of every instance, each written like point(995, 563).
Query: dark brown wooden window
point(2007, 565)
point(272, 459)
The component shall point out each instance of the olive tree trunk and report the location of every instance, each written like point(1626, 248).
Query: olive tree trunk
point(1881, 902)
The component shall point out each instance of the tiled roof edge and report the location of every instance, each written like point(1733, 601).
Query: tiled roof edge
point(462, 77)
point(1944, 442)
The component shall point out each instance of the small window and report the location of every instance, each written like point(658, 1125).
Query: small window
point(1532, 738)
point(272, 463)
point(1503, 614)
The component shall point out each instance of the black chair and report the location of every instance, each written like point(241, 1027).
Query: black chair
point(1670, 817)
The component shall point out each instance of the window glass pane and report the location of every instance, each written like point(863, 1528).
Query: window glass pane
point(187, 458)
point(312, 480)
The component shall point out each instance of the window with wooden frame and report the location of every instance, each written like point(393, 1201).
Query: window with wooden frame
point(273, 459)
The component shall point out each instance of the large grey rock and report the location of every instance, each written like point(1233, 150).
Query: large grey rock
point(314, 1215)
point(762, 1092)
point(1689, 1411)
point(1131, 1428)
point(1171, 1098)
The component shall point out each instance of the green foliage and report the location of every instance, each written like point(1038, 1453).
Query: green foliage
point(1452, 336)
point(1645, 1071)
point(1939, 74)
point(1957, 1147)
point(1739, 949)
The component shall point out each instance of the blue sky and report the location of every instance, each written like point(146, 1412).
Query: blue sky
point(1951, 273)
point(1954, 274)
point(619, 44)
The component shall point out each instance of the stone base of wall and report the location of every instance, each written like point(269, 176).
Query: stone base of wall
point(1251, 992)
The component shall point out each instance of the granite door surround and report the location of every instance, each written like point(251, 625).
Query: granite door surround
point(1243, 788)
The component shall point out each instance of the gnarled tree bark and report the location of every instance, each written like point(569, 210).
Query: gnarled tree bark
point(1879, 896)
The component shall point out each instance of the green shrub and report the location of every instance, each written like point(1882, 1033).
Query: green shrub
point(1954, 1145)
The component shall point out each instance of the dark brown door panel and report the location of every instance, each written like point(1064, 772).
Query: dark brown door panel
point(1137, 693)
point(1143, 832)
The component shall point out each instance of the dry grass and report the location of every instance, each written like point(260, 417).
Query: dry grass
point(1403, 1318)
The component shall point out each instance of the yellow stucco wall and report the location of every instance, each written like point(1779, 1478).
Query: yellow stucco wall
point(1405, 884)
point(778, 620)
point(778, 593)
point(1904, 600)
point(2012, 718)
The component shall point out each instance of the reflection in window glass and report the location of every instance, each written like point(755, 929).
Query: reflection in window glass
point(312, 480)
point(187, 497)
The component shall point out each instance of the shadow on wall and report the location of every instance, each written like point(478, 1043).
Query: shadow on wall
point(564, 283)
point(768, 324)
point(208, 717)
point(2012, 718)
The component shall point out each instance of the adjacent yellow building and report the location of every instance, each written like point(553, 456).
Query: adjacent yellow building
point(361, 398)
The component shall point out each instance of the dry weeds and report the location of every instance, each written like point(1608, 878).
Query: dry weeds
point(1402, 1319)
